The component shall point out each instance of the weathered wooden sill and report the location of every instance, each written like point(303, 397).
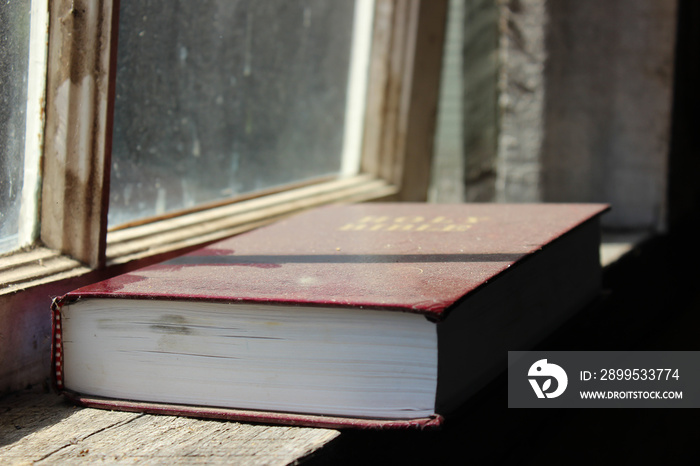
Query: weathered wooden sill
point(42, 428)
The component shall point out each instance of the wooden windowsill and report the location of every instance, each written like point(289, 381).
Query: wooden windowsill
point(614, 245)
point(41, 427)
point(38, 266)
point(41, 265)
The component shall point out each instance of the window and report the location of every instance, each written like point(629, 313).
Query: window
point(240, 97)
point(349, 139)
point(22, 74)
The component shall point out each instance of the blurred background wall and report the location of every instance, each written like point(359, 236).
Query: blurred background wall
point(560, 101)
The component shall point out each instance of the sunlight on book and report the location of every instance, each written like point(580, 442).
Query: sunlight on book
point(342, 362)
point(368, 315)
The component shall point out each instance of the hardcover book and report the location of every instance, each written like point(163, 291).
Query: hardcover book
point(369, 315)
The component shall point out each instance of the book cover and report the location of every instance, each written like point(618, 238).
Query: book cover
point(407, 258)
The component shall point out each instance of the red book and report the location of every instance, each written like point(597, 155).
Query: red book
point(368, 315)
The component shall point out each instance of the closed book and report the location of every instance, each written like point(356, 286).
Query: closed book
point(369, 315)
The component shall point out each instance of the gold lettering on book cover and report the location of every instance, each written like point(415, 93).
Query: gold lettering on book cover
point(412, 223)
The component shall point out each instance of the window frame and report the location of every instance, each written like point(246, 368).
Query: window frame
point(396, 151)
point(28, 218)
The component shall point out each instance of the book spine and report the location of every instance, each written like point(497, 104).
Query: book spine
point(56, 345)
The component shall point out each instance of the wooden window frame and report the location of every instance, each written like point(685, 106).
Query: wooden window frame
point(399, 126)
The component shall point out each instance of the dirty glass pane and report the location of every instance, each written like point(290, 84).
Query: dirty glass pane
point(216, 98)
point(14, 55)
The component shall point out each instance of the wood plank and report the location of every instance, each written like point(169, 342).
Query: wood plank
point(40, 265)
point(422, 99)
point(23, 258)
point(403, 94)
point(384, 88)
point(44, 429)
point(615, 245)
point(38, 269)
point(43, 280)
point(78, 128)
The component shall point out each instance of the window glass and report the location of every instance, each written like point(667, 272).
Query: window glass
point(216, 98)
point(14, 57)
